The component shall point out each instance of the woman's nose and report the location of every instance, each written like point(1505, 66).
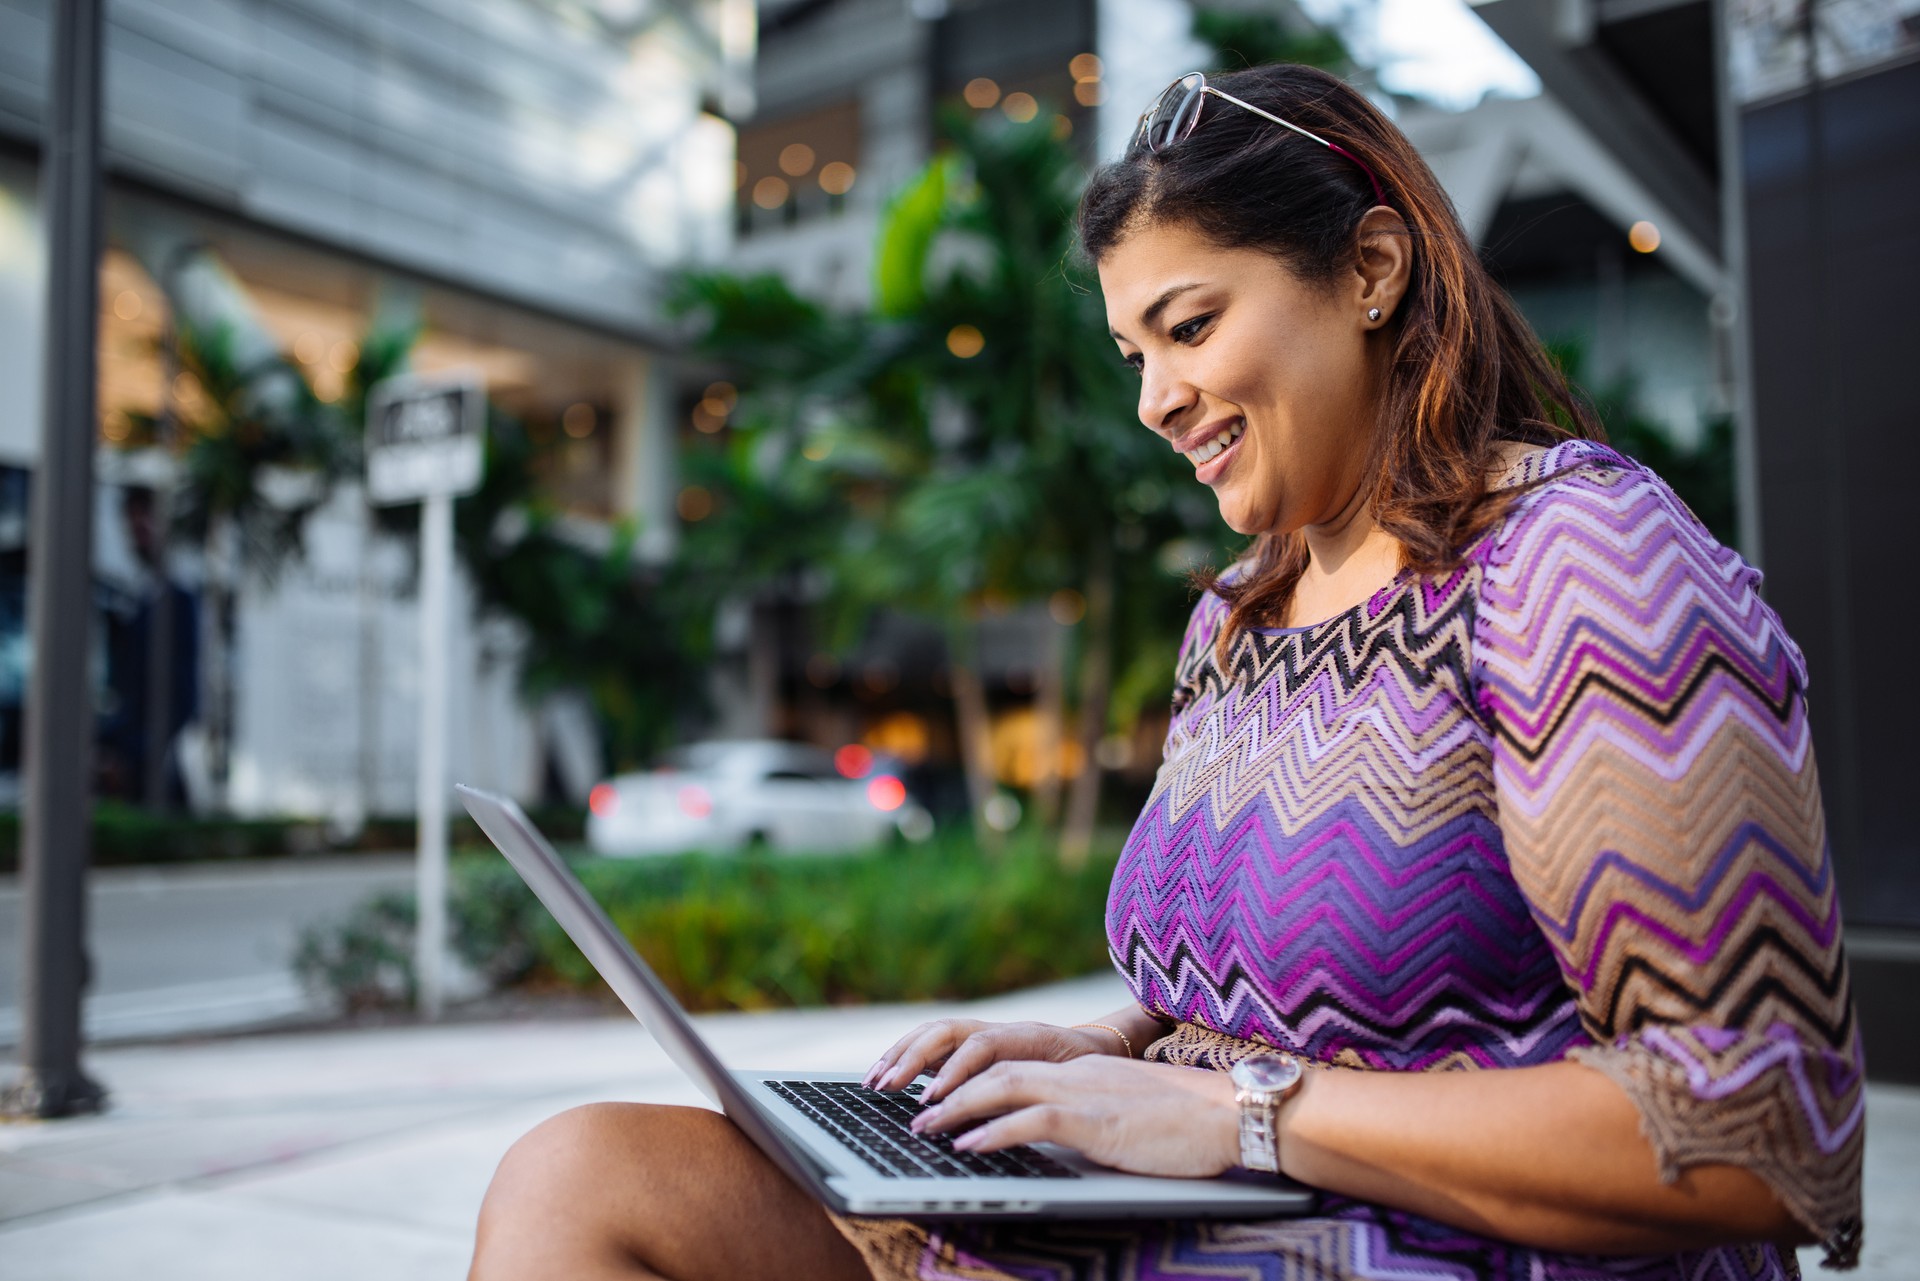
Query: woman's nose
point(1161, 400)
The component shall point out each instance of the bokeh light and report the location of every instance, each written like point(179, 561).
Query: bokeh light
point(796, 159)
point(1020, 107)
point(771, 192)
point(887, 793)
point(836, 178)
point(853, 761)
point(965, 341)
point(577, 422)
point(1089, 93)
point(1084, 67)
point(981, 93)
point(1643, 236)
point(694, 504)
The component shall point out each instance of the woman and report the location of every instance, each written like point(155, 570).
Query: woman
point(1488, 796)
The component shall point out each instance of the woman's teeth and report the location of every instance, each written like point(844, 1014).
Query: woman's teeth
point(1207, 452)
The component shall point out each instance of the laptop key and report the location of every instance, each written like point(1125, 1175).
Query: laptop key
point(875, 1126)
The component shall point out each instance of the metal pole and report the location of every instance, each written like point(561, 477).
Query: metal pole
point(1733, 257)
point(57, 806)
point(436, 569)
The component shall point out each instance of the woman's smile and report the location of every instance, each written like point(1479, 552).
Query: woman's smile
point(1212, 448)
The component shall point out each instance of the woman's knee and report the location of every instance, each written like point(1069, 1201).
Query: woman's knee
point(594, 1149)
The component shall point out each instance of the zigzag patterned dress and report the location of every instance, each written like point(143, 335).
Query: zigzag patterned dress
point(1561, 804)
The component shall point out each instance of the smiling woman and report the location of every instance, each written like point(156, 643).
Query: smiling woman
point(1485, 869)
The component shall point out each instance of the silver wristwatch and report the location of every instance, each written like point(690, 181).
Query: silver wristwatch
point(1261, 1083)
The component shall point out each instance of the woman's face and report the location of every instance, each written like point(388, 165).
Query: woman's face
point(1232, 347)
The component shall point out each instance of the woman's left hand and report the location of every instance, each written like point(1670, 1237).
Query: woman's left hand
point(1144, 1118)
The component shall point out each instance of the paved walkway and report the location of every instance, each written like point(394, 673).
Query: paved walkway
point(363, 1154)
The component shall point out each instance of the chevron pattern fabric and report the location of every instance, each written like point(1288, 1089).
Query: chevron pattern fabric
point(1560, 804)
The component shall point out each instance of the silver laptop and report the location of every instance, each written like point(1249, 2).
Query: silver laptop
point(848, 1145)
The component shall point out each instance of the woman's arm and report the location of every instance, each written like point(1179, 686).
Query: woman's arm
point(1548, 1156)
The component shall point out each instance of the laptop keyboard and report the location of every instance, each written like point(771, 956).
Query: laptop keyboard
point(873, 1125)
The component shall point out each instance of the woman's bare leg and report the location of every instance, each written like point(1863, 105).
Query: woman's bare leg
point(633, 1191)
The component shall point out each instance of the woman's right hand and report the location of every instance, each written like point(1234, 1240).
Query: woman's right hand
point(963, 1048)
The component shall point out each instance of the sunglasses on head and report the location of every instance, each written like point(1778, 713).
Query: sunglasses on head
point(1176, 112)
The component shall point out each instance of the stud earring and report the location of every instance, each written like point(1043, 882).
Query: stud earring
point(1373, 313)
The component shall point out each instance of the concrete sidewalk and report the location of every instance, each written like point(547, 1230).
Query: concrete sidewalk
point(365, 1153)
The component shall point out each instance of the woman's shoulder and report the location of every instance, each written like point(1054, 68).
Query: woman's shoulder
point(1594, 535)
point(1585, 500)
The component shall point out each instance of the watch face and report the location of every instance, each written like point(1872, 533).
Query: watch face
point(1265, 1073)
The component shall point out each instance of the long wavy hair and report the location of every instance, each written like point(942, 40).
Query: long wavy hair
point(1466, 376)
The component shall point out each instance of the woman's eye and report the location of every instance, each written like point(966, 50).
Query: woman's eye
point(1188, 330)
point(1136, 362)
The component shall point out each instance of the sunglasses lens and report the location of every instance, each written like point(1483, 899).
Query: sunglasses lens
point(1178, 110)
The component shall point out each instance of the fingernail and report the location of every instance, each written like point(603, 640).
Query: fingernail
point(967, 1141)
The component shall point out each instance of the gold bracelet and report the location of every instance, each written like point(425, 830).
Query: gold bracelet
point(1108, 1027)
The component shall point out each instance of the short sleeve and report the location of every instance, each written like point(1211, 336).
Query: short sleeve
point(1655, 779)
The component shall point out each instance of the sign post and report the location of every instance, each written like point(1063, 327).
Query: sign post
point(424, 444)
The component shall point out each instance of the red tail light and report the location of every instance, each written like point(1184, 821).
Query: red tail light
point(694, 802)
point(853, 761)
point(603, 800)
point(886, 793)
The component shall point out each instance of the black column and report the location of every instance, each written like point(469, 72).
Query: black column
point(57, 806)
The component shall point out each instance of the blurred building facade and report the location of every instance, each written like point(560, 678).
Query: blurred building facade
point(513, 178)
point(1786, 133)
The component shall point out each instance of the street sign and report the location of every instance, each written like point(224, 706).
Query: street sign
point(424, 436)
point(424, 444)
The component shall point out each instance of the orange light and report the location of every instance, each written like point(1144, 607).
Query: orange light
point(965, 341)
point(887, 793)
point(694, 802)
point(981, 93)
point(853, 761)
point(603, 800)
point(770, 192)
point(1089, 93)
point(836, 178)
point(1643, 236)
point(796, 159)
point(694, 504)
point(1020, 107)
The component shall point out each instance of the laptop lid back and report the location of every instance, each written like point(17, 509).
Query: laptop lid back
point(638, 988)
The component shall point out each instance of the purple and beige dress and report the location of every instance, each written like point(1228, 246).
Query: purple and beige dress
point(1559, 804)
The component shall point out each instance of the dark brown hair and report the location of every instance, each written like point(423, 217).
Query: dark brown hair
point(1466, 375)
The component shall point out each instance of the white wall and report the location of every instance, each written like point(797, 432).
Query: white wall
point(22, 306)
point(1144, 44)
point(326, 673)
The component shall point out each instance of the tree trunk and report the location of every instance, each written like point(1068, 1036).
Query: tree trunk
point(970, 712)
point(1096, 680)
point(1050, 715)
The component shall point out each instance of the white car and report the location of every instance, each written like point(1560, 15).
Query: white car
point(729, 795)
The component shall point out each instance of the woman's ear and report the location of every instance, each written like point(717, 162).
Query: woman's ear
point(1383, 264)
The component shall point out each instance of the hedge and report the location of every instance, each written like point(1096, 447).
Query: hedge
point(936, 921)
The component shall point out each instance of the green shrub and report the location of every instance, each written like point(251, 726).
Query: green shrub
point(365, 962)
point(938, 921)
